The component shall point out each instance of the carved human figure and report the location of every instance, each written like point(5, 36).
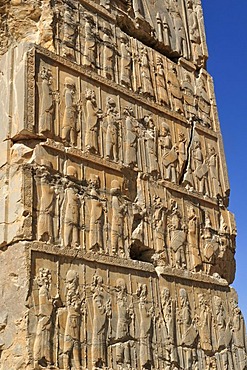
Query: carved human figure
point(145, 324)
point(188, 332)
point(69, 33)
point(101, 315)
point(42, 344)
point(108, 54)
point(181, 46)
point(74, 309)
point(169, 155)
point(199, 168)
point(213, 164)
point(112, 122)
point(93, 115)
point(182, 153)
point(194, 32)
point(188, 89)
point(124, 318)
point(175, 89)
point(71, 207)
point(239, 341)
point(177, 240)
point(146, 80)
point(193, 240)
point(89, 54)
point(169, 328)
point(139, 234)
point(125, 62)
point(161, 82)
point(118, 211)
point(47, 104)
point(130, 149)
point(210, 245)
point(150, 142)
point(96, 216)
point(203, 101)
point(70, 113)
point(204, 323)
point(223, 333)
point(45, 230)
point(159, 227)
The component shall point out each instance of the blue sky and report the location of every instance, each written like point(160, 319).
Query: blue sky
point(226, 30)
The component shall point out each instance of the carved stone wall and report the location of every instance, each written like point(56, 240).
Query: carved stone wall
point(116, 241)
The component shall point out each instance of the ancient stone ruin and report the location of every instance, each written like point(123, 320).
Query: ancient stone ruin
point(116, 244)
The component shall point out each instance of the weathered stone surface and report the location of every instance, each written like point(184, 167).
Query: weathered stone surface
point(117, 247)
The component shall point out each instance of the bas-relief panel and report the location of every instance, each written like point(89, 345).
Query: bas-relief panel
point(78, 205)
point(175, 28)
point(86, 115)
point(88, 315)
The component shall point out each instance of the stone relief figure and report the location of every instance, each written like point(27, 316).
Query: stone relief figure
point(193, 240)
point(45, 230)
point(159, 227)
point(213, 165)
point(168, 153)
point(146, 80)
point(112, 120)
point(117, 219)
point(223, 333)
point(175, 89)
point(125, 62)
point(210, 245)
point(71, 207)
point(150, 146)
point(181, 46)
point(70, 113)
point(42, 344)
point(239, 341)
point(46, 117)
point(194, 32)
point(188, 332)
point(93, 116)
point(199, 168)
point(182, 153)
point(124, 317)
point(74, 308)
point(131, 129)
point(162, 94)
point(96, 216)
point(139, 236)
point(204, 323)
point(145, 333)
point(188, 89)
point(69, 33)
point(203, 101)
point(89, 54)
point(169, 328)
point(177, 240)
point(101, 316)
point(108, 54)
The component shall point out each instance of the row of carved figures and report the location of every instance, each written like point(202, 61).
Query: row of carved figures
point(186, 94)
point(98, 326)
point(132, 142)
point(82, 37)
point(83, 216)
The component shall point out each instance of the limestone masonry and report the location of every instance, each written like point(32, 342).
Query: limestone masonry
point(116, 244)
